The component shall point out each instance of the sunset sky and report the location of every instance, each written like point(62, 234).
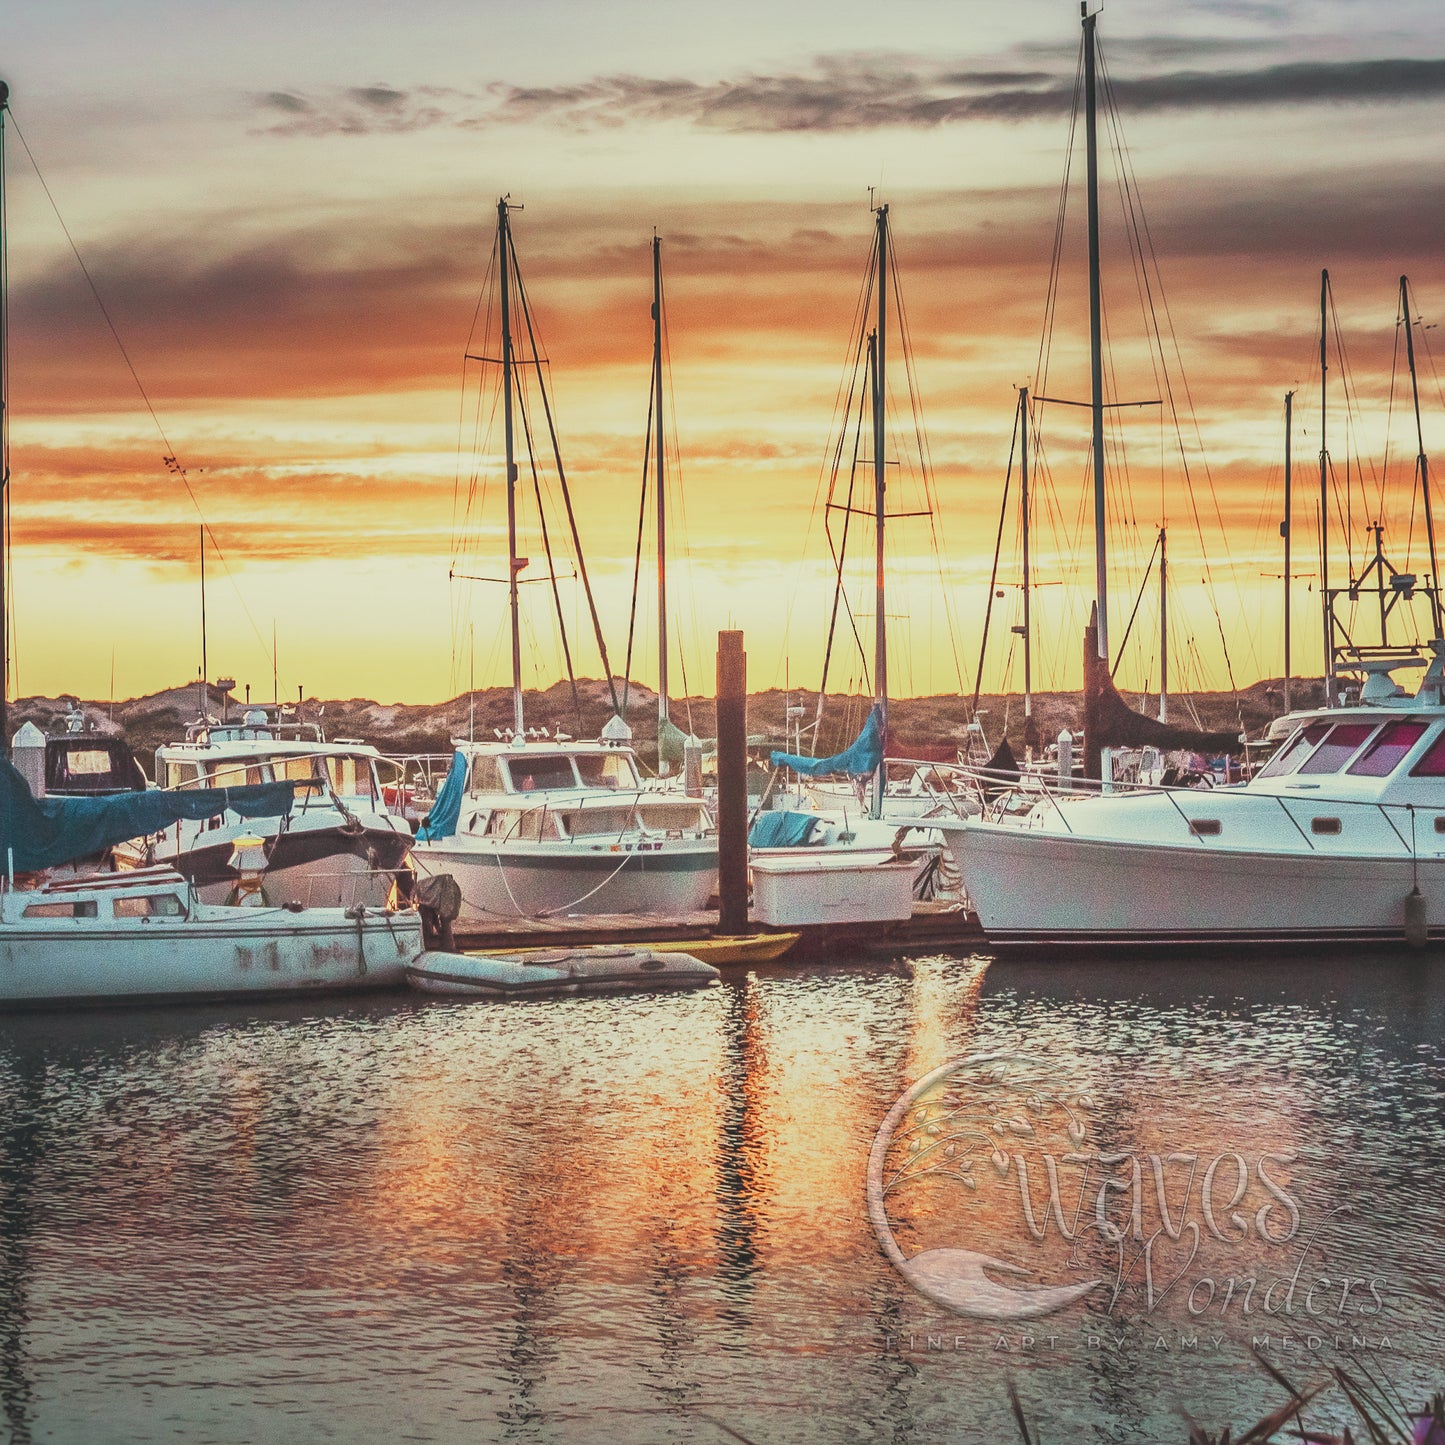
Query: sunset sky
point(288, 211)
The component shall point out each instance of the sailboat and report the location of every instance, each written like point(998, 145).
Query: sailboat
point(1330, 843)
point(537, 827)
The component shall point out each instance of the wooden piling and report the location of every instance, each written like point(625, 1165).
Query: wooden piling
point(732, 783)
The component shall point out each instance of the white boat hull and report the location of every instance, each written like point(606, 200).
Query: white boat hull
point(561, 881)
point(547, 972)
point(220, 953)
point(1033, 888)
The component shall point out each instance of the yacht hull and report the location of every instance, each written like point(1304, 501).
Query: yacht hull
point(1037, 889)
point(251, 953)
point(511, 882)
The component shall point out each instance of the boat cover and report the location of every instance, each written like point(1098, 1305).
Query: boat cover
point(441, 822)
point(40, 833)
point(782, 829)
point(859, 759)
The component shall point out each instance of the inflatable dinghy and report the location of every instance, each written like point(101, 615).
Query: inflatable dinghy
point(548, 971)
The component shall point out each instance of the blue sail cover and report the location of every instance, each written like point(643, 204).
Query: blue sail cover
point(441, 822)
point(859, 759)
point(40, 833)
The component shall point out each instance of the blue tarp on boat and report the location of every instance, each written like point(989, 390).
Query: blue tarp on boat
point(782, 829)
point(40, 833)
point(441, 822)
point(859, 760)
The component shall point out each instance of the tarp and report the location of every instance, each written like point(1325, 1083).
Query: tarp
point(40, 833)
point(859, 760)
point(781, 829)
point(441, 822)
point(1001, 769)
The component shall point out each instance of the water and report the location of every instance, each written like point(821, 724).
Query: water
point(643, 1218)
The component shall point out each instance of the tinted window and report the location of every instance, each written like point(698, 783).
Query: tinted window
point(1388, 750)
point(1432, 765)
point(544, 770)
point(1287, 758)
point(1342, 743)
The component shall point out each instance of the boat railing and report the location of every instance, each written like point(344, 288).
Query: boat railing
point(1002, 788)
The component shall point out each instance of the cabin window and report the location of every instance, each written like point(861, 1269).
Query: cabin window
point(1440, 825)
point(75, 908)
point(181, 775)
point(597, 822)
point(487, 775)
point(240, 775)
point(1432, 765)
point(351, 776)
point(1288, 757)
point(1205, 827)
point(296, 770)
point(1341, 744)
point(1324, 825)
point(151, 905)
point(502, 824)
point(671, 817)
point(532, 773)
point(607, 770)
point(1388, 750)
point(536, 823)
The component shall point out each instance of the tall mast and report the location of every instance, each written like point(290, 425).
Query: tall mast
point(662, 767)
point(514, 563)
point(1096, 330)
point(1284, 531)
point(205, 665)
point(1325, 501)
point(1028, 579)
point(880, 373)
point(4, 447)
point(1163, 625)
point(1422, 464)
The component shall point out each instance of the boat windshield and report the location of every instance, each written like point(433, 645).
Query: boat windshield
point(1388, 750)
point(351, 776)
point(607, 770)
point(537, 771)
point(1287, 759)
point(1338, 748)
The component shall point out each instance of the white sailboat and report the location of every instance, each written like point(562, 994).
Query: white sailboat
point(1336, 840)
point(535, 827)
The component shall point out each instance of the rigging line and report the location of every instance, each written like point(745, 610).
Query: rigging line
point(637, 556)
point(547, 550)
point(997, 548)
point(1144, 582)
point(1051, 295)
point(839, 419)
point(850, 385)
point(925, 458)
point(566, 492)
point(483, 296)
point(172, 464)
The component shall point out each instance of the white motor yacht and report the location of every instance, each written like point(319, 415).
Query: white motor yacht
point(341, 844)
point(532, 829)
point(1340, 838)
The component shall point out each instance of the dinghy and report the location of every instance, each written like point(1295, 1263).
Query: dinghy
point(546, 971)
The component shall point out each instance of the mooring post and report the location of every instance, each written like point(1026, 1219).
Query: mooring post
point(732, 783)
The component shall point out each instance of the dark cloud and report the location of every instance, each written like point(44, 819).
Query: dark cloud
point(850, 93)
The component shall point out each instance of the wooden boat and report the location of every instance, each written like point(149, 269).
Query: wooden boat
point(526, 973)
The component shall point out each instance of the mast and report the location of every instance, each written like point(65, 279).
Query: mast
point(1284, 531)
point(1325, 502)
point(1422, 465)
point(1096, 339)
point(205, 666)
point(880, 627)
point(514, 563)
point(662, 766)
point(1028, 584)
point(1163, 625)
point(4, 447)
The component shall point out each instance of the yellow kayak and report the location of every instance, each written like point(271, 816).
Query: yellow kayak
point(748, 948)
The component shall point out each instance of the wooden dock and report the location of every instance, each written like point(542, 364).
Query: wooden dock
point(933, 925)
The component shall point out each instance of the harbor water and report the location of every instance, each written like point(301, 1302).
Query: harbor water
point(644, 1218)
